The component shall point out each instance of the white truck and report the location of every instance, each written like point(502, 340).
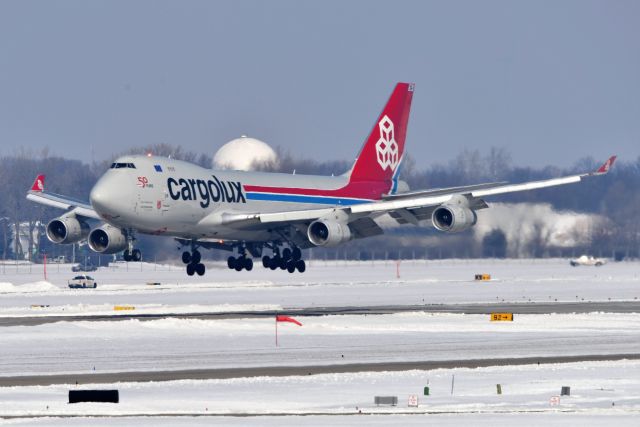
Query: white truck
point(83, 281)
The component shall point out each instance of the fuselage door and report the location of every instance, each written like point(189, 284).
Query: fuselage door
point(165, 204)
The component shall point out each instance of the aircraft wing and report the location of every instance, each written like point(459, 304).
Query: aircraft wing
point(38, 195)
point(412, 208)
point(438, 191)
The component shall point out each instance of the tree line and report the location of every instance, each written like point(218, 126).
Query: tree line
point(614, 197)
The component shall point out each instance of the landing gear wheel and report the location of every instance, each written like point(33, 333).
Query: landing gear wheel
point(231, 262)
point(248, 264)
point(191, 268)
point(199, 269)
point(301, 266)
point(283, 264)
point(239, 265)
point(196, 257)
point(136, 255)
point(296, 254)
point(274, 263)
point(291, 266)
point(266, 261)
point(286, 254)
point(126, 255)
point(186, 257)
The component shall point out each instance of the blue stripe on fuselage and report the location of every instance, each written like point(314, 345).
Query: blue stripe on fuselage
point(294, 198)
point(394, 179)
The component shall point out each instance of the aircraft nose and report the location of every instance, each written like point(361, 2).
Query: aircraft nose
point(99, 196)
point(107, 196)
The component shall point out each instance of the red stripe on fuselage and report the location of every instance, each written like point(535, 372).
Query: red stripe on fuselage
point(356, 190)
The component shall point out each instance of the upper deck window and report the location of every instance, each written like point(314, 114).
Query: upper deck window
point(122, 165)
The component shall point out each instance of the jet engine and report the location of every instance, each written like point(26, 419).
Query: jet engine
point(453, 219)
point(328, 233)
point(67, 229)
point(107, 239)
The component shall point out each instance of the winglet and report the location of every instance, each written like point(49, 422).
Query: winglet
point(38, 184)
point(606, 166)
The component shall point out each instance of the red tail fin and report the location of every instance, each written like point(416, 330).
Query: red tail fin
point(380, 157)
point(38, 184)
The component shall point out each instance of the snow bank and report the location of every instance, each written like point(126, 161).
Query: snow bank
point(40, 286)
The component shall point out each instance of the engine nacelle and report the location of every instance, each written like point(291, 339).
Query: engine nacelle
point(67, 229)
point(453, 219)
point(107, 239)
point(328, 233)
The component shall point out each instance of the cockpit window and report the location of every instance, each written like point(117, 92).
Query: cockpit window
point(122, 165)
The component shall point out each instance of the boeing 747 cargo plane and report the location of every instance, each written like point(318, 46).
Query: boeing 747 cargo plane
point(270, 215)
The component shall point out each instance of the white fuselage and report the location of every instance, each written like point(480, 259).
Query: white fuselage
point(157, 195)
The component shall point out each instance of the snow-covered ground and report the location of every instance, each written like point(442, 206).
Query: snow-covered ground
point(335, 283)
point(602, 393)
point(171, 344)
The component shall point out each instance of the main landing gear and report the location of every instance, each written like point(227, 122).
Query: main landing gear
point(240, 263)
point(290, 260)
point(192, 259)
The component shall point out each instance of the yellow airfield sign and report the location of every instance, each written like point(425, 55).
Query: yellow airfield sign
point(502, 317)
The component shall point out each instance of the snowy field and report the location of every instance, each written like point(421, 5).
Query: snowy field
point(603, 393)
point(173, 344)
point(325, 284)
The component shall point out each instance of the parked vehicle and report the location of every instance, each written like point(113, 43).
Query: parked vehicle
point(83, 281)
point(58, 260)
point(588, 260)
point(83, 267)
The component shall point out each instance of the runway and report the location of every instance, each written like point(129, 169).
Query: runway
point(516, 308)
point(286, 371)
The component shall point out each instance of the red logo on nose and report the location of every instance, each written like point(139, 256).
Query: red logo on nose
point(143, 181)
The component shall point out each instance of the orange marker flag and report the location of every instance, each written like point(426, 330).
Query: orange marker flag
point(280, 318)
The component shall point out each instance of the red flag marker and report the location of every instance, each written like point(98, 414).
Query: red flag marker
point(281, 318)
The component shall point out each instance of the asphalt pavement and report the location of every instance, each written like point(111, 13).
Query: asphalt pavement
point(516, 308)
point(281, 371)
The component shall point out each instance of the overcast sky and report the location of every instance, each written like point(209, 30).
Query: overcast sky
point(552, 81)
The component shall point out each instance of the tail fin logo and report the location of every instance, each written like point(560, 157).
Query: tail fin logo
point(387, 147)
point(38, 184)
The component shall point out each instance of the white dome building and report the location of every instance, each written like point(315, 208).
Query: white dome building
point(243, 153)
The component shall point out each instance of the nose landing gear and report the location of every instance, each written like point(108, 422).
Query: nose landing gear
point(132, 255)
point(192, 259)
